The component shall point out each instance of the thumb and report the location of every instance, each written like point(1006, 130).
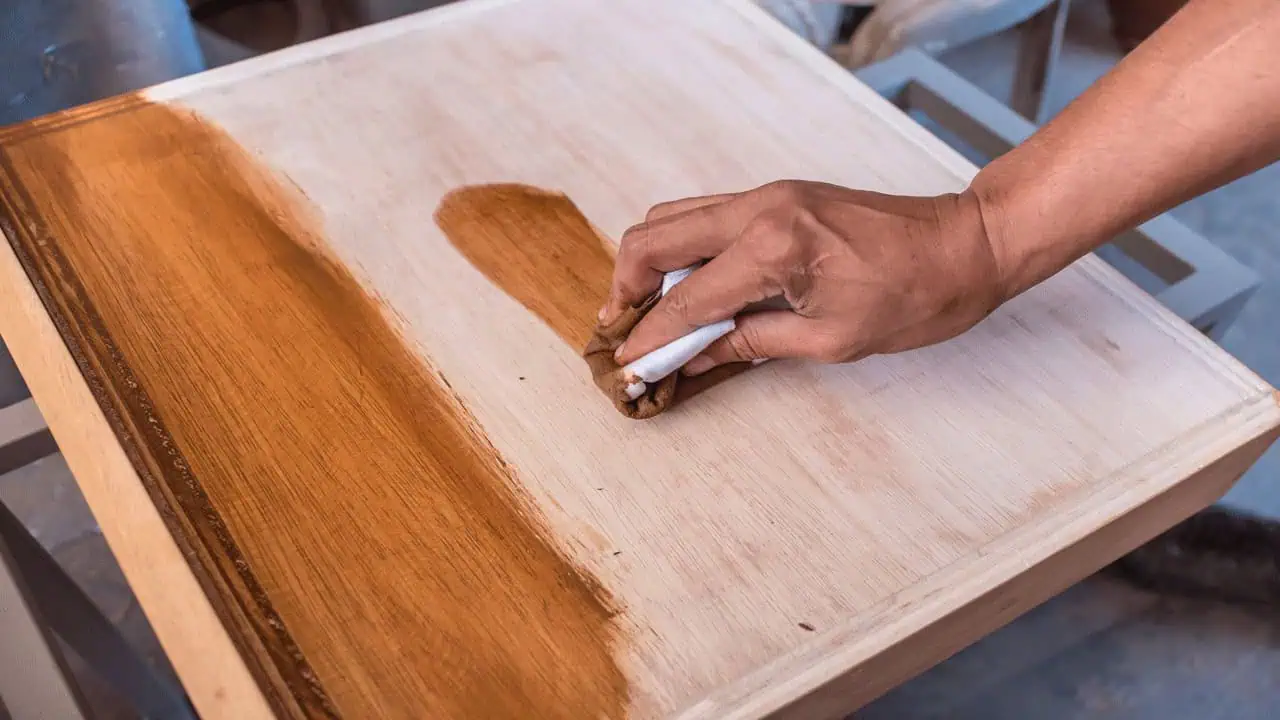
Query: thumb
point(760, 336)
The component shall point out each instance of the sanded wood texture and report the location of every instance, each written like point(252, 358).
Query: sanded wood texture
point(330, 409)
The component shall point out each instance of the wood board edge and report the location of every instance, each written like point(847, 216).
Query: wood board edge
point(848, 666)
point(1005, 603)
point(213, 673)
point(179, 88)
point(326, 46)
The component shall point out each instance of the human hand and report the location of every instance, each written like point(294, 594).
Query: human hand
point(864, 273)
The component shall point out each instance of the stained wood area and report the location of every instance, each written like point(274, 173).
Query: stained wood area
point(536, 246)
point(381, 458)
point(269, 367)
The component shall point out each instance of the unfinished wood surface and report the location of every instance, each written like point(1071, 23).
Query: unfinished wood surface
point(375, 460)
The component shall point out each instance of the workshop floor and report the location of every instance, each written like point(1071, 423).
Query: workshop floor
point(1102, 650)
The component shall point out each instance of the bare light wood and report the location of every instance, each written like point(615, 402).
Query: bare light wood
point(803, 537)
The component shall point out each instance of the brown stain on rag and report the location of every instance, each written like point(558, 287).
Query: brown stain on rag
point(541, 250)
point(363, 542)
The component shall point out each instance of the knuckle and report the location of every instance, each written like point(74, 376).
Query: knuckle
point(660, 210)
point(635, 244)
point(744, 345)
point(772, 240)
point(676, 306)
point(830, 349)
point(769, 226)
point(630, 287)
point(632, 264)
point(781, 193)
point(632, 276)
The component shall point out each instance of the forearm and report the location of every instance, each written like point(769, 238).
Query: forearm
point(1194, 107)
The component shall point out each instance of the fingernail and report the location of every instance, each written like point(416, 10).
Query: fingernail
point(617, 354)
point(698, 365)
point(600, 315)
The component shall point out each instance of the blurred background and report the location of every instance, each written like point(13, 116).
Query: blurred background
point(1186, 628)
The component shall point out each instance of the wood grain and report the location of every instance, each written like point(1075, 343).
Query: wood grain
point(801, 538)
point(278, 410)
point(538, 247)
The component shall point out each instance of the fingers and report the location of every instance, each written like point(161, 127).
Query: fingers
point(675, 207)
point(683, 233)
point(767, 335)
point(717, 291)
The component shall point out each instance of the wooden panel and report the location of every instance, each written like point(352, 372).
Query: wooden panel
point(396, 484)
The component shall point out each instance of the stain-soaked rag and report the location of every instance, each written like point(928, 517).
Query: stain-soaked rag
point(605, 339)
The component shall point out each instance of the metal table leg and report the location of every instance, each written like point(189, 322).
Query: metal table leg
point(33, 676)
point(1039, 48)
point(24, 438)
point(73, 617)
point(38, 600)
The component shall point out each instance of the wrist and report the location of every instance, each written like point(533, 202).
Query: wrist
point(965, 257)
point(991, 221)
point(1043, 209)
point(1023, 217)
point(991, 204)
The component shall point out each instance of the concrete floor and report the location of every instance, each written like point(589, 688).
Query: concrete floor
point(1102, 650)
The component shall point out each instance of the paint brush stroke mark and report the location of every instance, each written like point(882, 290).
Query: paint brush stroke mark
point(543, 252)
point(372, 551)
